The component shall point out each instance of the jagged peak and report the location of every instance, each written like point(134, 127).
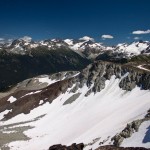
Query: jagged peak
point(26, 39)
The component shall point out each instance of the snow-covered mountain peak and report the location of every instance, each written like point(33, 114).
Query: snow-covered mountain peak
point(26, 39)
point(134, 48)
point(69, 41)
point(85, 45)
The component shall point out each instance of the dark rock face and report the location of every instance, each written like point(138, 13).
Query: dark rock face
point(81, 146)
point(74, 146)
point(110, 147)
point(98, 72)
point(112, 57)
point(15, 68)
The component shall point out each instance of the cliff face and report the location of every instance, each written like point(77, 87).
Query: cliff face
point(15, 68)
point(98, 72)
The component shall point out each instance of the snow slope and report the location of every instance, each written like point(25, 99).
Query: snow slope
point(140, 138)
point(101, 115)
point(134, 48)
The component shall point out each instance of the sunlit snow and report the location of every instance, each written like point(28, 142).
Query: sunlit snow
point(99, 115)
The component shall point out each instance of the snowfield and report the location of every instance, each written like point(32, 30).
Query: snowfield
point(101, 115)
point(12, 99)
point(137, 138)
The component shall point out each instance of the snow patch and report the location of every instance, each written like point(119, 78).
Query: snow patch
point(32, 93)
point(69, 41)
point(46, 80)
point(41, 102)
point(12, 99)
point(4, 113)
point(140, 67)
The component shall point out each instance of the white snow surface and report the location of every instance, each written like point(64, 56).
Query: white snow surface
point(12, 99)
point(26, 39)
point(41, 102)
point(140, 138)
point(102, 114)
point(69, 41)
point(77, 46)
point(134, 48)
point(141, 67)
point(4, 113)
point(32, 93)
point(46, 80)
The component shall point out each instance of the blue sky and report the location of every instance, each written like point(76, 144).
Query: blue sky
point(42, 19)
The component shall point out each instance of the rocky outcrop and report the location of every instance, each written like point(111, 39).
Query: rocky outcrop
point(71, 99)
point(110, 147)
point(74, 146)
point(81, 146)
point(129, 130)
point(27, 100)
point(97, 73)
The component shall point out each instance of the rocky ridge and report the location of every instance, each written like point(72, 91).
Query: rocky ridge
point(93, 76)
point(81, 147)
point(85, 45)
point(129, 130)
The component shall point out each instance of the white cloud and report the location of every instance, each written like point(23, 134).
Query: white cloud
point(2, 39)
point(86, 38)
point(141, 32)
point(136, 38)
point(107, 37)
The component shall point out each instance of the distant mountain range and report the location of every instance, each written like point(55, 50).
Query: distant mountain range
point(85, 45)
point(24, 58)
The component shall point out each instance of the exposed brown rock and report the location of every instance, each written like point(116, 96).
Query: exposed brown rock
point(26, 103)
point(80, 146)
point(109, 147)
point(74, 146)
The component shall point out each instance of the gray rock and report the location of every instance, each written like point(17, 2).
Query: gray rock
point(71, 99)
